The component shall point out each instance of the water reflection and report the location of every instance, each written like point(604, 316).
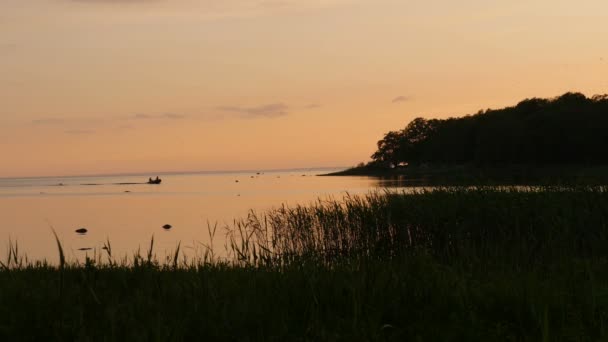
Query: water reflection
point(129, 214)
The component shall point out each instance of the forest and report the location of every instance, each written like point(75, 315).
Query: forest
point(571, 129)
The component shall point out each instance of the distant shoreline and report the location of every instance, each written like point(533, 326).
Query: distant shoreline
point(462, 174)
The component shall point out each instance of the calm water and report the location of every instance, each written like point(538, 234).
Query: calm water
point(130, 214)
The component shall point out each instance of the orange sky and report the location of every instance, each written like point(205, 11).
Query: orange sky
point(109, 86)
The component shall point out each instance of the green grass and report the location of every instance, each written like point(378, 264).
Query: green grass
point(463, 264)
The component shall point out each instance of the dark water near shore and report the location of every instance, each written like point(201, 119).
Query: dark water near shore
point(129, 214)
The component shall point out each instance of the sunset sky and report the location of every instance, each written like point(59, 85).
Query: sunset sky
point(110, 86)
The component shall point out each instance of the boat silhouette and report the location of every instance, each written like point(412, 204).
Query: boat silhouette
point(154, 181)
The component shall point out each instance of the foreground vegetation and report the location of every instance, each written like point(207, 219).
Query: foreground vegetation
point(453, 264)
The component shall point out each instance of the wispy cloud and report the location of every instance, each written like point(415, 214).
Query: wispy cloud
point(174, 116)
point(273, 110)
point(274, 4)
point(312, 106)
point(286, 4)
point(217, 8)
point(70, 121)
point(117, 1)
point(91, 124)
point(8, 46)
point(48, 121)
point(231, 3)
point(79, 131)
point(169, 116)
point(126, 127)
point(399, 99)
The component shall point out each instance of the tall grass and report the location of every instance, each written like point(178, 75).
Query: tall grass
point(451, 264)
point(516, 225)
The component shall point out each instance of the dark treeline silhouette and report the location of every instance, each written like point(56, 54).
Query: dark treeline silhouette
point(570, 129)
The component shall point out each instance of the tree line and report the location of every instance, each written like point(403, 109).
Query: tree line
point(569, 129)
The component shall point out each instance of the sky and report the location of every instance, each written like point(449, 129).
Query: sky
point(113, 86)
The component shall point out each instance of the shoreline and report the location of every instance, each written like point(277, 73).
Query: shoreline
point(461, 174)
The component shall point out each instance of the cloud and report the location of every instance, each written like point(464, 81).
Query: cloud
point(399, 99)
point(273, 110)
point(8, 46)
point(170, 116)
point(232, 4)
point(57, 121)
point(173, 116)
point(312, 106)
point(142, 116)
point(288, 4)
point(48, 121)
point(273, 4)
point(116, 1)
point(79, 131)
point(215, 9)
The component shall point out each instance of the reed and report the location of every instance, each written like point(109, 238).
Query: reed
point(512, 225)
point(448, 264)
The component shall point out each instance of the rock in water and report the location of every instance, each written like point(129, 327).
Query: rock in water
point(167, 226)
point(81, 231)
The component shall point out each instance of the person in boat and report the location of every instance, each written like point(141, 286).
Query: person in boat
point(154, 181)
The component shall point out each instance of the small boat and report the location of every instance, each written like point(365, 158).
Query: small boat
point(155, 181)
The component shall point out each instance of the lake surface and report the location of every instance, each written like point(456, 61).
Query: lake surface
point(130, 214)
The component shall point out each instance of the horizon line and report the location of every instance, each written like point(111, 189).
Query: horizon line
point(182, 172)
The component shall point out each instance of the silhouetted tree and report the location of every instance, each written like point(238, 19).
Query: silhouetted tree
point(569, 129)
point(388, 153)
